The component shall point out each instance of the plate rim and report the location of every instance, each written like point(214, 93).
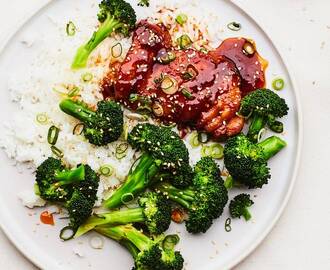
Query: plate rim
point(39, 262)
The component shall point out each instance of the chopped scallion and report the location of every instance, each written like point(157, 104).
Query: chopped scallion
point(234, 26)
point(67, 233)
point(71, 29)
point(87, 77)
point(181, 19)
point(53, 135)
point(57, 152)
point(194, 142)
point(187, 94)
point(203, 137)
point(278, 84)
point(127, 198)
point(106, 170)
point(184, 42)
point(78, 129)
point(116, 50)
point(42, 118)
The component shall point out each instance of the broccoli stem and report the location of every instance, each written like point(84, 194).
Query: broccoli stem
point(182, 197)
point(246, 214)
point(105, 29)
point(131, 248)
point(271, 146)
point(116, 217)
point(78, 111)
point(124, 233)
point(258, 122)
point(70, 176)
point(136, 181)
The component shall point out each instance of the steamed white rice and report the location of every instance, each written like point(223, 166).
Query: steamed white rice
point(25, 140)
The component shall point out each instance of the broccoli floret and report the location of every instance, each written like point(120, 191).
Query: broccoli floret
point(102, 126)
point(144, 3)
point(90, 185)
point(164, 153)
point(205, 199)
point(148, 254)
point(80, 208)
point(246, 162)
point(115, 16)
point(150, 251)
point(154, 212)
point(55, 182)
point(239, 206)
point(263, 106)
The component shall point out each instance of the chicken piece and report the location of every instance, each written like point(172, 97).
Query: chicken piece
point(248, 61)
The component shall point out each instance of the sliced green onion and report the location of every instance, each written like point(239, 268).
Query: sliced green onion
point(70, 29)
point(169, 85)
point(206, 151)
point(278, 84)
point(125, 131)
point(228, 225)
point(214, 150)
point(184, 42)
point(78, 129)
point(106, 170)
point(121, 150)
point(42, 118)
point(194, 142)
point(170, 241)
point(67, 233)
point(53, 135)
point(116, 50)
point(276, 126)
point(157, 108)
point(166, 57)
point(260, 133)
point(74, 92)
point(203, 137)
point(181, 19)
point(187, 94)
point(234, 26)
point(87, 77)
point(217, 151)
point(127, 198)
point(57, 152)
point(204, 50)
point(133, 97)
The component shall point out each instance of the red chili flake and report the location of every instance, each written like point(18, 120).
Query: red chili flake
point(47, 218)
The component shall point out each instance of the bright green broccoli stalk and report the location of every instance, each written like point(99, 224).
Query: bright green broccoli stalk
point(115, 16)
point(263, 106)
point(246, 162)
point(204, 200)
point(148, 254)
point(102, 126)
point(239, 206)
point(153, 211)
point(55, 181)
point(164, 153)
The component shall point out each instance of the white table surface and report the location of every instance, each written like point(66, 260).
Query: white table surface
point(301, 238)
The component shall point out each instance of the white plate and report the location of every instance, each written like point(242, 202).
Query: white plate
point(215, 250)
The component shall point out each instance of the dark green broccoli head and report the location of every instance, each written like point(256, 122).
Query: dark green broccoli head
point(157, 212)
point(102, 126)
point(211, 196)
point(149, 258)
point(265, 102)
point(144, 3)
point(55, 182)
point(90, 185)
point(80, 208)
point(107, 124)
point(239, 206)
point(246, 162)
point(120, 11)
point(165, 146)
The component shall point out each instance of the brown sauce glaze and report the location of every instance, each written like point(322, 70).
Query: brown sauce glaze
point(249, 63)
point(207, 99)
